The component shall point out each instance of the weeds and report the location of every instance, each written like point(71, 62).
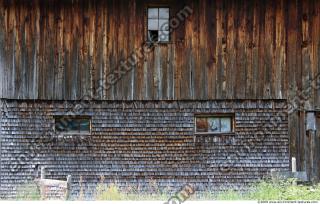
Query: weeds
point(28, 191)
point(277, 190)
point(264, 190)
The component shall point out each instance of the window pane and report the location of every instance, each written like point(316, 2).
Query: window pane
point(201, 125)
point(214, 124)
point(164, 13)
point(163, 24)
point(153, 24)
point(153, 13)
point(61, 125)
point(163, 36)
point(153, 36)
point(84, 125)
point(72, 124)
point(225, 124)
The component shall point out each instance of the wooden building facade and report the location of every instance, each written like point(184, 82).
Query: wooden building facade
point(250, 66)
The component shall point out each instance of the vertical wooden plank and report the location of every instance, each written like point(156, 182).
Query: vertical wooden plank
point(308, 154)
point(255, 49)
point(315, 66)
point(97, 12)
point(303, 142)
point(164, 72)
point(84, 89)
point(192, 44)
point(306, 76)
point(317, 149)
point(203, 51)
point(249, 91)
point(123, 48)
point(179, 51)
point(150, 81)
point(108, 50)
point(2, 50)
point(139, 40)
point(171, 73)
point(268, 68)
point(132, 48)
point(24, 30)
point(221, 52)
point(279, 55)
point(190, 53)
point(315, 48)
point(91, 48)
point(157, 73)
point(36, 46)
point(306, 68)
point(231, 36)
point(294, 71)
point(262, 53)
point(241, 51)
point(42, 69)
point(50, 52)
point(214, 69)
point(17, 76)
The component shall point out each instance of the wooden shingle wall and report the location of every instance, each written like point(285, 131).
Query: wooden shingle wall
point(232, 49)
point(135, 144)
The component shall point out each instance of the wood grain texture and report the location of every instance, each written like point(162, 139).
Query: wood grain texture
point(224, 50)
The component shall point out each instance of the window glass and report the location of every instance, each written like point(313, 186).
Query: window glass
point(153, 24)
point(225, 124)
point(72, 124)
point(153, 13)
point(158, 25)
point(164, 13)
point(214, 124)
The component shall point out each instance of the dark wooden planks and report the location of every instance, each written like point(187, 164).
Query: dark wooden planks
point(224, 50)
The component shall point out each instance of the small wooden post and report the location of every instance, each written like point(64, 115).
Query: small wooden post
point(294, 164)
point(294, 168)
point(43, 173)
point(69, 180)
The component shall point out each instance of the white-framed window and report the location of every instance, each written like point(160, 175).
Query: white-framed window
point(214, 123)
point(158, 24)
point(72, 124)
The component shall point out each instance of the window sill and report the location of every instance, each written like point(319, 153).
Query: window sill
point(160, 43)
point(213, 133)
point(73, 134)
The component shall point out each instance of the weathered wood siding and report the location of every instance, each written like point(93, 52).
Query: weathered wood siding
point(143, 145)
point(227, 49)
point(224, 50)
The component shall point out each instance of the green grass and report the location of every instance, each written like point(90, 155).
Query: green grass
point(280, 190)
point(112, 192)
point(28, 191)
point(264, 190)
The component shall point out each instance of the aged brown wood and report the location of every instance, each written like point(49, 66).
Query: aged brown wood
point(65, 50)
point(224, 50)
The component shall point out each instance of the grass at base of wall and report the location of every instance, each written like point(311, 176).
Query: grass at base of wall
point(263, 190)
point(28, 191)
point(270, 190)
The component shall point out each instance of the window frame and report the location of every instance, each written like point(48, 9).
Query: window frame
point(157, 6)
point(75, 117)
point(215, 115)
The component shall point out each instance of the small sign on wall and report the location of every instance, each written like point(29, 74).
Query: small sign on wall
point(311, 121)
